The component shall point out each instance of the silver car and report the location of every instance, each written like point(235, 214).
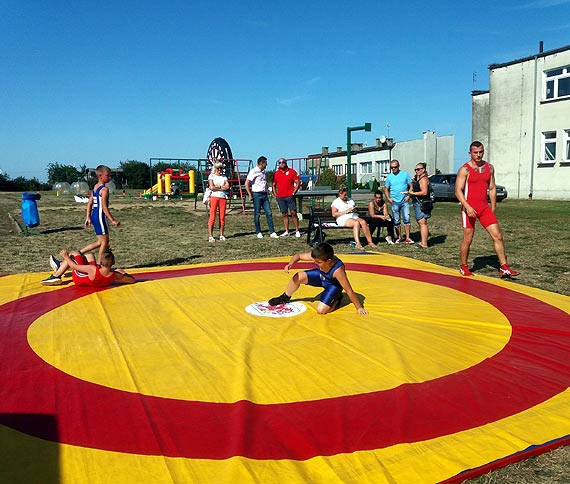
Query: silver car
point(444, 188)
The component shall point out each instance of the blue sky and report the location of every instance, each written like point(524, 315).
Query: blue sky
point(104, 82)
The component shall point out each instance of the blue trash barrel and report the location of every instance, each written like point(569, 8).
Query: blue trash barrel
point(30, 209)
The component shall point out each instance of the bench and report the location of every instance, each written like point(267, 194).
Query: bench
point(320, 219)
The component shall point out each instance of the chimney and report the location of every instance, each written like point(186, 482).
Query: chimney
point(541, 47)
point(378, 143)
point(339, 149)
point(325, 150)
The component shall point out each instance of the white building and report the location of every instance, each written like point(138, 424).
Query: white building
point(368, 162)
point(524, 122)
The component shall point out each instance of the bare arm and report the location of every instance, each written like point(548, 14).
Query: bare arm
point(89, 208)
point(387, 194)
point(337, 213)
point(460, 182)
point(296, 258)
point(373, 215)
point(340, 276)
point(105, 202)
point(121, 276)
point(424, 185)
point(492, 189)
point(248, 188)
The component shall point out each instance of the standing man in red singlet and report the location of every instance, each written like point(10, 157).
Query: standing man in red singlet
point(474, 178)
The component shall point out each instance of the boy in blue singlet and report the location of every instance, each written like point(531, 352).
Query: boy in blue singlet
point(98, 212)
point(329, 274)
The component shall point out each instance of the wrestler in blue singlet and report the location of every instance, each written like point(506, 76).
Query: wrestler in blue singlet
point(332, 288)
point(98, 217)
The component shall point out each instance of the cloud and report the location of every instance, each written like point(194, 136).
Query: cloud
point(313, 80)
point(289, 101)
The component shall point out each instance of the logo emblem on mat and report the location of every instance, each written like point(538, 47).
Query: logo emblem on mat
point(280, 311)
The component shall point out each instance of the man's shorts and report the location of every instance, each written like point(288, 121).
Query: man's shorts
point(485, 215)
point(287, 204)
point(331, 291)
point(80, 278)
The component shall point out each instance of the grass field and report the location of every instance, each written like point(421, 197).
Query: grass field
point(173, 232)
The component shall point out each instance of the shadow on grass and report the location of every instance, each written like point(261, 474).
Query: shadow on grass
point(61, 229)
point(480, 263)
point(169, 262)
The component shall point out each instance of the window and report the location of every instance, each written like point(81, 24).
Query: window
point(366, 167)
point(567, 145)
point(353, 168)
point(556, 84)
point(548, 146)
point(338, 170)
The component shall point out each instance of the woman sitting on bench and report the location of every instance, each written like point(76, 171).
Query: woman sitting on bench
point(343, 211)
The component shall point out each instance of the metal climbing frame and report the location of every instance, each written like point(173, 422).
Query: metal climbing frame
point(235, 169)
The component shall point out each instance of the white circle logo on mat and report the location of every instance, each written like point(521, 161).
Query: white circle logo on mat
point(279, 311)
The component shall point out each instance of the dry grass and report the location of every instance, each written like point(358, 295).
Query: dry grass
point(172, 232)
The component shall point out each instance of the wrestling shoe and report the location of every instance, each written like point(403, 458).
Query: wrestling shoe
point(52, 281)
point(276, 301)
point(464, 270)
point(54, 263)
point(506, 271)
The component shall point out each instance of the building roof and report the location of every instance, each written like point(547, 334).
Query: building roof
point(530, 57)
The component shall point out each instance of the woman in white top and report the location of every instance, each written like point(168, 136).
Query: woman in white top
point(343, 211)
point(219, 185)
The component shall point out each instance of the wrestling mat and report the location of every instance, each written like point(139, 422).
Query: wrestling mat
point(183, 378)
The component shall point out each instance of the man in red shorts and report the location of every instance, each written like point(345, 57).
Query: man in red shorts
point(285, 185)
point(474, 178)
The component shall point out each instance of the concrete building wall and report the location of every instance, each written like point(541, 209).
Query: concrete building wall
point(518, 115)
point(480, 116)
point(436, 151)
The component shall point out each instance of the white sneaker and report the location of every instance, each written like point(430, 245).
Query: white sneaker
point(274, 235)
point(389, 240)
point(259, 235)
point(297, 234)
point(54, 263)
point(284, 234)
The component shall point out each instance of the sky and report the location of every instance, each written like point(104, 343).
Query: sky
point(91, 83)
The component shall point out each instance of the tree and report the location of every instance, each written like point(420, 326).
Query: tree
point(136, 174)
point(63, 173)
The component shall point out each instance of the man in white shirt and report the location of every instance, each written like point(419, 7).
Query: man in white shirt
point(256, 187)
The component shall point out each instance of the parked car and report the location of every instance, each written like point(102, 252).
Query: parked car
point(444, 187)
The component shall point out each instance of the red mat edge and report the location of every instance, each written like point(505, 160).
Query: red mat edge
point(531, 451)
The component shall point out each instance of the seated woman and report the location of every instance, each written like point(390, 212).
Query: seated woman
point(343, 211)
point(379, 216)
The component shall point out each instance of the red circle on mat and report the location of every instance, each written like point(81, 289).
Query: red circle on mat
point(41, 400)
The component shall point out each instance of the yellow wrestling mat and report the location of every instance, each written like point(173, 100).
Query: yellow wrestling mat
point(188, 376)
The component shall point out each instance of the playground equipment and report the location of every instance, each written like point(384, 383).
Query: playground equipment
point(173, 181)
point(235, 170)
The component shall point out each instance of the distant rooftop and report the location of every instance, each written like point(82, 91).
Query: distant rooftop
point(530, 57)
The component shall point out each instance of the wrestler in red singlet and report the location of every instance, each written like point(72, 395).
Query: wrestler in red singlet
point(476, 195)
point(82, 279)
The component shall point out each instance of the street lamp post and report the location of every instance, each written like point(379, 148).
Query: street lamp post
point(349, 130)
